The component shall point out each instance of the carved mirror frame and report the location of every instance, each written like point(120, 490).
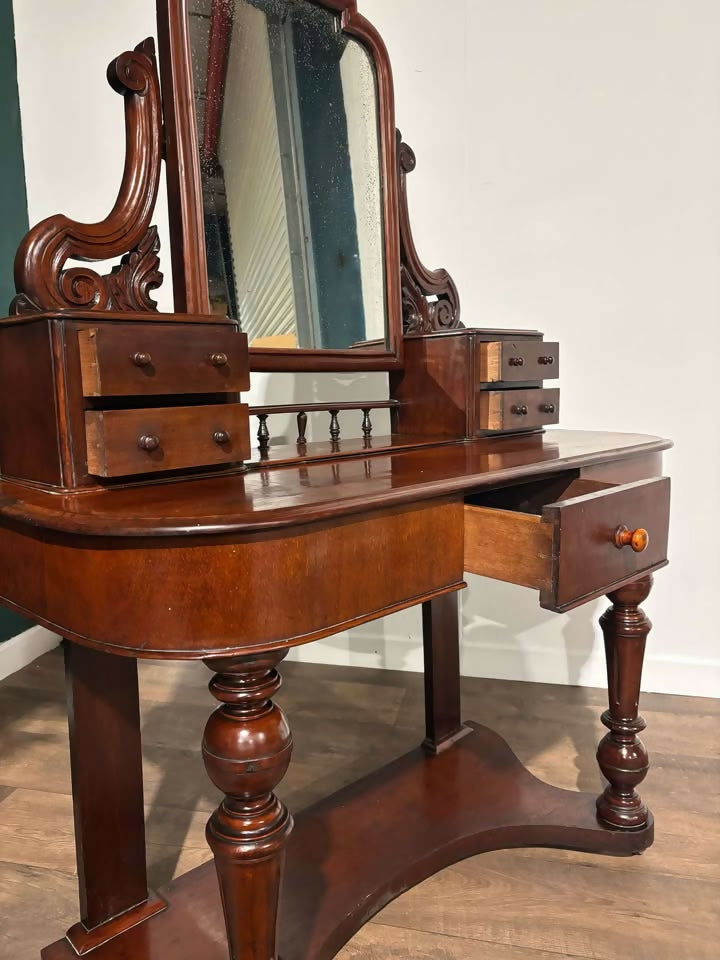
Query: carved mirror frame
point(190, 277)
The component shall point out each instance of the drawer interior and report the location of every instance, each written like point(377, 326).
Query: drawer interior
point(559, 535)
point(530, 498)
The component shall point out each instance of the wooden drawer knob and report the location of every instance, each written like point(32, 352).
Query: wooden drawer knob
point(520, 409)
point(517, 361)
point(148, 442)
point(548, 408)
point(637, 539)
point(221, 437)
point(219, 359)
point(142, 359)
point(546, 361)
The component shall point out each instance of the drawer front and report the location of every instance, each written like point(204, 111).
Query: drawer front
point(586, 558)
point(118, 360)
point(121, 443)
point(518, 361)
point(517, 409)
point(570, 553)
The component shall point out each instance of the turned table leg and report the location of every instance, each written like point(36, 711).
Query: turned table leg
point(246, 748)
point(441, 644)
point(621, 755)
point(106, 768)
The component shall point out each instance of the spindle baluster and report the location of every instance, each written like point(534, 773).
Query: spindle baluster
point(334, 426)
point(302, 428)
point(367, 426)
point(263, 435)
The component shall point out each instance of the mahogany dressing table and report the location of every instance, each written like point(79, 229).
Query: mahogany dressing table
point(137, 519)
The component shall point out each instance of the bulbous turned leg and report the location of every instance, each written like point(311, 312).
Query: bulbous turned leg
point(246, 749)
point(621, 755)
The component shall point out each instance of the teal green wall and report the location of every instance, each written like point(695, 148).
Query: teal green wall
point(13, 202)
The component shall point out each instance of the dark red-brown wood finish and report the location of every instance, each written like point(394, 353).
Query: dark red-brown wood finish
point(190, 278)
point(234, 566)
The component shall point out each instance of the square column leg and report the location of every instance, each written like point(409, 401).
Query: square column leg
point(107, 784)
point(441, 643)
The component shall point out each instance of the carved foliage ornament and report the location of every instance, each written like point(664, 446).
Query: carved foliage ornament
point(430, 300)
point(41, 280)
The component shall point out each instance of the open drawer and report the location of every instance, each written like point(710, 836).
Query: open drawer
point(591, 539)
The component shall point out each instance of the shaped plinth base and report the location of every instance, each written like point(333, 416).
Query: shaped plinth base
point(353, 853)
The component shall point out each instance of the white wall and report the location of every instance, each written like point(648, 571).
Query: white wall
point(569, 176)
point(72, 121)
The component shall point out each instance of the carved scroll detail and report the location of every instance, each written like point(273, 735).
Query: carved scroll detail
point(420, 314)
point(41, 281)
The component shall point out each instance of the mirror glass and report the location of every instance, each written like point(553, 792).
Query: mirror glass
point(288, 130)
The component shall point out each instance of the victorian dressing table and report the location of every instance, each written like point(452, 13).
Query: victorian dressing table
point(137, 519)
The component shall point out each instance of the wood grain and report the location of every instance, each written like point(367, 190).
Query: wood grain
point(516, 361)
point(179, 359)
point(517, 409)
point(514, 547)
point(184, 437)
point(678, 916)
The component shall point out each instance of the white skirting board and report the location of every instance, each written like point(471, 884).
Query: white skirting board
point(27, 646)
point(684, 676)
point(393, 650)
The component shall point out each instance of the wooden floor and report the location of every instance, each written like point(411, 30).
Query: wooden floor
point(514, 905)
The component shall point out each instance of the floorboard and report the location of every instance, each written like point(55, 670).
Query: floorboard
point(511, 905)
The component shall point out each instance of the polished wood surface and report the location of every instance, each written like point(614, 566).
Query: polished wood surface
point(324, 903)
point(506, 905)
point(185, 191)
point(140, 531)
point(441, 648)
point(247, 748)
point(584, 527)
point(43, 386)
point(509, 361)
point(106, 766)
point(335, 566)
point(213, 595)
point(157, 439)
point(264, 500)
point(29, 431)
point(121, 360)
point(622, 756)
point(567, 549)
point(443, 387)
point(517, 409)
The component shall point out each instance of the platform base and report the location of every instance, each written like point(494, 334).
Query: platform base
point(353, 853)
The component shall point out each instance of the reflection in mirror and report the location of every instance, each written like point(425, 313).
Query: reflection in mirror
point(288, 128)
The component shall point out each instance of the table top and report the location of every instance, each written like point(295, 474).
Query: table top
point(286, 496)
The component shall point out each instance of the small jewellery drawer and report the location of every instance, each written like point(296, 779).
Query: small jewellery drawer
point(518, 361)
point(121, 443)
point(587, 544)
point(145, 359)
point(517, 409)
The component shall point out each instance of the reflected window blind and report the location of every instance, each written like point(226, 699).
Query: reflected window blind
point(254, 184)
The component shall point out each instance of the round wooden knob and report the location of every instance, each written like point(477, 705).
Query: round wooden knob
point(637, 539)
point(517, 361)
point(520, 409)
point(148, 442)
point(221, 436)
point(219, 359)
point(142, 359)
